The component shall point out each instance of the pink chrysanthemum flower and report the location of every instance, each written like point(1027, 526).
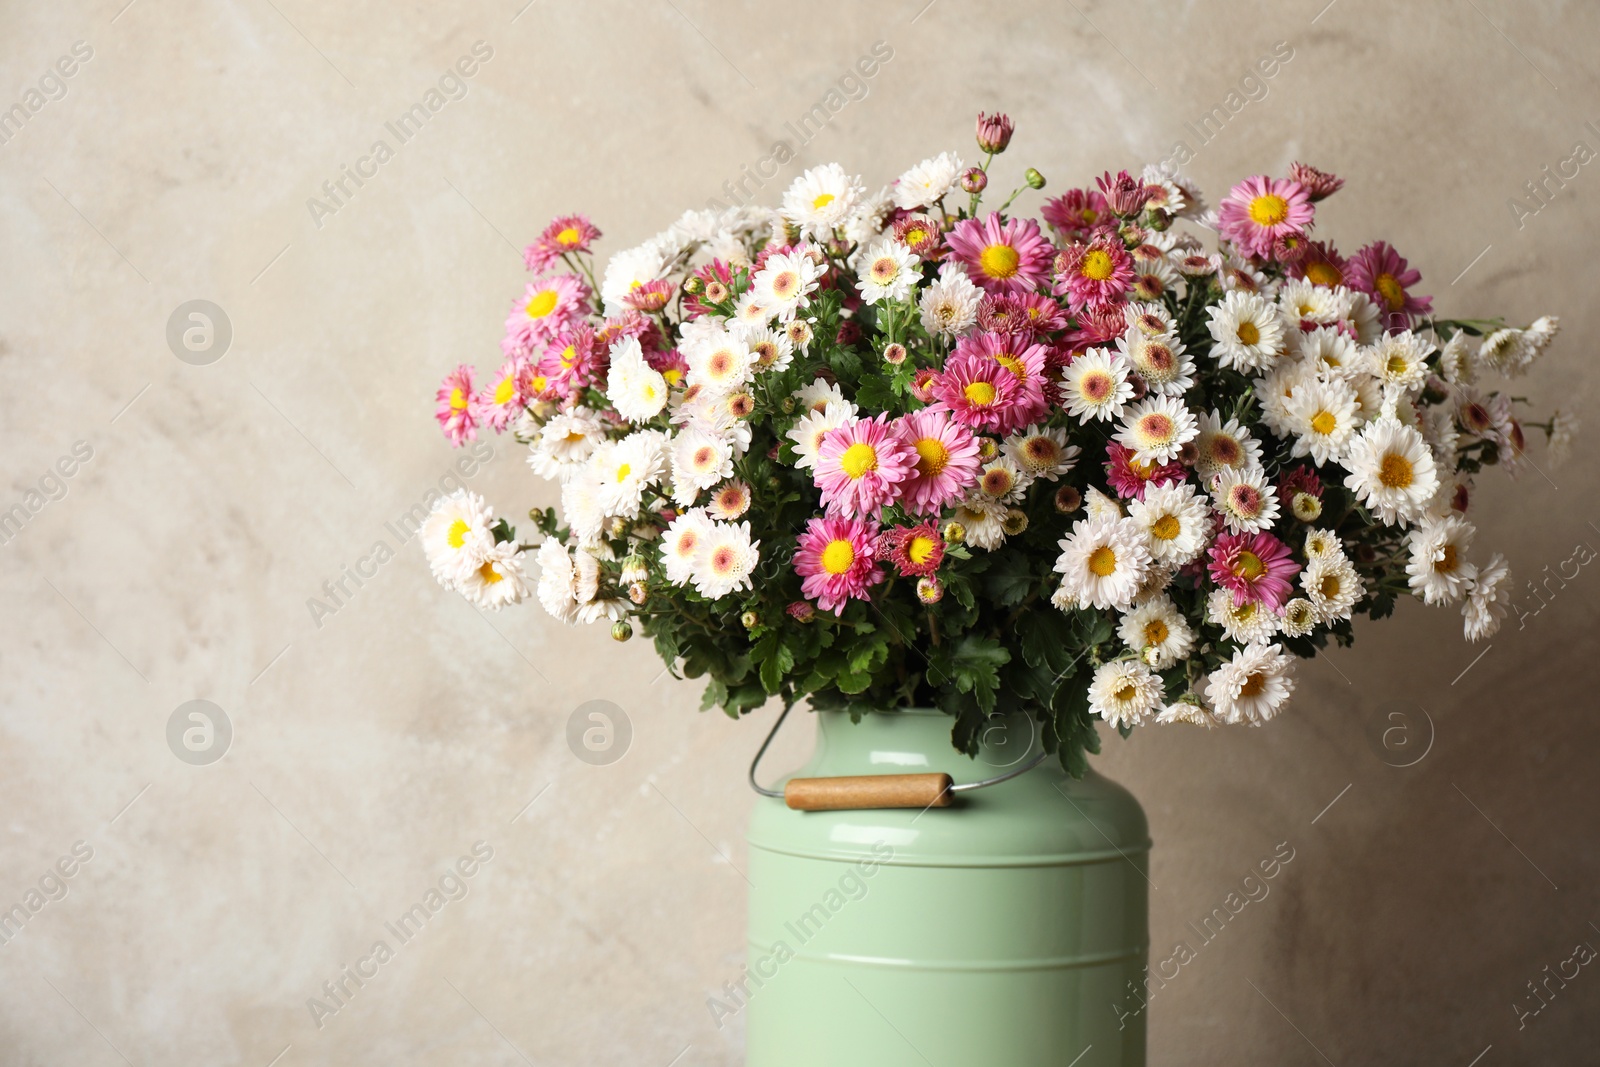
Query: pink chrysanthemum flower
point(547, 306)
point(922, 235)
point(979, 392)
point(1384, 275)
point(1258, 210)
point(915, 551)
point(1129, 477)
point(1077, 213)
point(718, 272)
point(1002, 257)
point(1254, 567)
point(564, 235)
point(1095, 273)
point(574, 360)
point(1043, 314)
point(503, 400)
point(994, 131)
point(1000, 313)
point(1124, 194)
point(1027, 362)
point(1319, 184)
point(946, 460)
point(836, 559)
point(1098, 324)
point(1321, 265)
point(860, 467)
point(1300, 479)
point(454, 412)
point(650, 296)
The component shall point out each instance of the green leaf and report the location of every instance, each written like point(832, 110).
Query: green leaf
point(1010, 580)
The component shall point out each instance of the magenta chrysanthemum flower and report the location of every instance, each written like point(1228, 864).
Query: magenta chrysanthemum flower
point(979, 392)
point(1300, 479)
point(1002, 257)
point(1258, 210)
point(860, 467)
point(1384, 275)
point(502, 398)
point(915, 551)
point(1098, 324)
point(455, 412)
point(1319, 184)
point(1125, 195)
point(1254, 567)
point(1077, 213)
point(1095, 273)
point(836, 559)
point(564, 235)
point(547, 306)
point(946, 460)
point(1129, 477)
point(1026, 361)
point(1321, 265)
point(575, 359)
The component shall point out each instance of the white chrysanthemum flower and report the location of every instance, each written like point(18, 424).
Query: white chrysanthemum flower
point(699, 461)
point(984, 519)
point(1002, 480)
point(565, 443)
point(719, 362)
point(1042, 452)
point(1104, 561)
point(1399, 359)
point(582, 506)
point(629, 269)
point(1329, 351)
point(624, 469)
point(1158, 632)
point(1391, 471)
point(751, 311)
point(784, 283)
point(1543, 331)
point(1488, 600)
point(1456, 360)
point(1152, 320)
point(1176, 522)
point(498, 580)
point(1305, 301)
point(456, 536)
point(726, 562)
point(1097, 505)
point(1563, 428)
point(927, 183)
point(1438, 569)
point(1160, 361)
point(1156, 428)
point(1438, 426)
point(556, 574)
point(888, 271)
point(1244, 623)
point(1333, 586)
point(1364, 318)
point(637, 390)
point(867, 219)
point(1189, 713)
point(821, 199)
point(1124, 692)
point(1507, 352)
point(683, 543)
point(1221, 446)
point(1096, 386)
point(1323, 543)
point(1245, 499)
point(603, 609)
point(1299, 617)
point(819, 394)
point(1240, 275)
point(1322, 416)
point(1251, 686)
point(1277, 388)
point(949, 305)
point(770, 350)
point(586, 575)
point(1064, 599)
point(813, 426)
point(1248, 331)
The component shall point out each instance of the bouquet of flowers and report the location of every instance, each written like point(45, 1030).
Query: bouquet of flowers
point(880, 450)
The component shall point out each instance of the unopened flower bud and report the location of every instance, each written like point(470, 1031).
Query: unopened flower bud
point(974, 180)
point(994, 132)
point(1015, 522)
point(955, 533)
point(617, 527)
point(1034, 178)
point(988, 449)
point(1306, 507)
point(635, 569)
point(801, 611)
point(1068, 500)
point(621, 630)
point(693, 285)
point(716, 292)
point(894, 354)
point(930, 590)
point(749, 620)
point(638, 592)
point(788, 405)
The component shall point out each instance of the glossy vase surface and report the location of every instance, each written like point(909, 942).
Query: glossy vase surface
point(1003, 931)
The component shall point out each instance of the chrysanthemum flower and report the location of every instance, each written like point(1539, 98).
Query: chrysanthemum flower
point(682, 543)
point(1332, 585)
point(699, 461)
point(498, 404)
point(1321, 265)
point(949, 305)
point(915, 551)
point(821, 199)
point(1026, 362)
point(636, 390)
point(624, 469)
point(1124, 692)
point(984, 520)
point(1258, 210)
point(1253, 567)
point(888, 271)
point(1125, 195)
point(456, 536)
point(1002, 257)
point(730, 501)
point(497, 581)
point(815, 425)
point(1077, 213)
point(565, 443)
point(1103, 561)
point(1244, 499)
point(1156, 428)
point(1158, 632)
point(1384, 275)
point(946, 460)
point(1152, 280)
point(547, 305)
point(860, 467)
point(565, 235)
point(1437, 569)
point(1391, 471)
point(1248, 332)
point(1399, 359)
point(556, 575)
point(1299, 481)
point(1096, 386)
point(980, 392)
point(1098, 272)
point(922, 235)
point(1252, 686)
point(719, 361)
point(1129, 477)
point(1221, 446)
point(1322, 416)
point(1175, 521)
point(1241, 623)
point(927, 183)
point(455, 410)
point(784, 284)
point(727, 561)
point(1160, 361)
point(1042, 452)
point(837, 561)
point(1488, 600)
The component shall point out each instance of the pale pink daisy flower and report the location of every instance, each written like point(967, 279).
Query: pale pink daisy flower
point(455, 411)
point(946, 460)
point(1096, 386)
point(496, 405)
point(1259, 210)
point(1254, 568)
point(1244, 499)
point(565, 235)
point(547, 306)
point(836, 559)
point(1156, 428)
point(860, 467)
point(730, 501)
point(1002, 257)
point(1384, 275)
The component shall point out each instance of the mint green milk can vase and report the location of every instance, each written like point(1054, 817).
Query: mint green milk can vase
point(1007, 929)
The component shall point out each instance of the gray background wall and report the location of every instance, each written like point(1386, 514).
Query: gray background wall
point(371, 751)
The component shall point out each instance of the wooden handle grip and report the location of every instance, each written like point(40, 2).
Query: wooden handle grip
point(869, 791)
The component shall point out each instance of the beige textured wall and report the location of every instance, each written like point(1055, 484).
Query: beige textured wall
point(371, 752)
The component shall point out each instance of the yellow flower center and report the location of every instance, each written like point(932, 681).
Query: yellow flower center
point(1155, 632)
point(673, 375)
point(1391, 291)
point(569, 356)
point(488, 573)
point(458, 399)
point(916, 235)
point(1269, 210)
point(858, 459)
point(999, 261)
point(505, 390)
point(1097, 265)
point(1011, 363)
point(932, 457)
point(1329, 586)
point(623, 470)
point(1103, 561)
point(540, 383)
point(1395, 472)
point(569, 237)
point(542, 304)
point(1324, 273)
point(1166, 528)
point(979, 393)
point(920, 550)
point(1249, 566)
point(884, 269)
point(1253, 685)
point(1126, 693)
point(456, 536)
point(1449, 563)
point(1396, 365)
point(1248, 333)
point(838, 557)
point(822, 201)
point(1324, 422)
